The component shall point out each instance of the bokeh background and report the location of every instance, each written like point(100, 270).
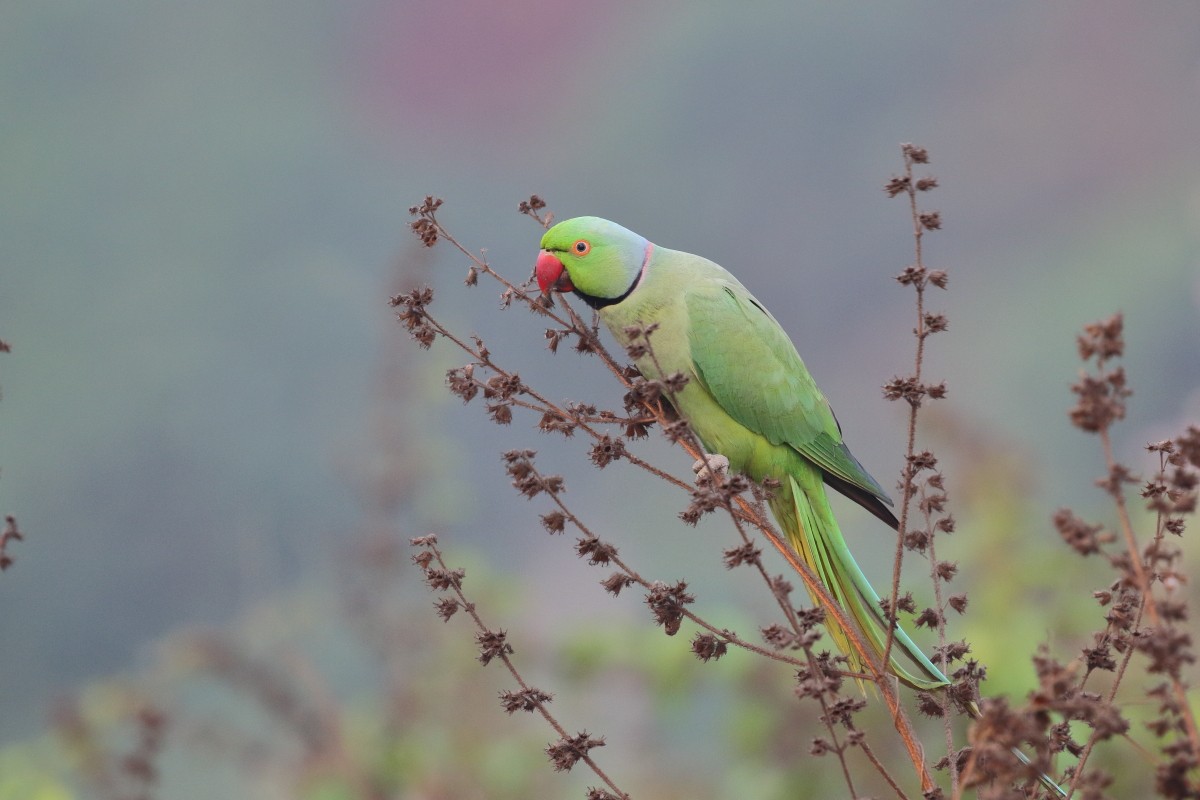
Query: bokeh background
point(214, 434)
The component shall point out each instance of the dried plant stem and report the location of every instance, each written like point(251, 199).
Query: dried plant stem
point(907, 488)
point(544, 404)
point(909, 185)
point(780, 598)
point(881, 769)
point(839, 749)
point(1112, 696)
point(1101, 393)
point(723, 634)
point(943, 697)
point(1135, 556)
point(469, 607)
point(1144, 586)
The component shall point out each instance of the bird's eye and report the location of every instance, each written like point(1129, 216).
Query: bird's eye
point(582, 247)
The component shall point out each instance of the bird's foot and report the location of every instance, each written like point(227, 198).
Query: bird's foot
point(712, 465)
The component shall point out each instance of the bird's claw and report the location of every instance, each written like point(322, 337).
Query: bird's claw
point(711, 465)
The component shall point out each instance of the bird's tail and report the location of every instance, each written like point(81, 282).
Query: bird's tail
point(807, 520)
point(804, 514)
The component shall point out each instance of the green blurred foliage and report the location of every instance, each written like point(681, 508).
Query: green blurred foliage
point(33, 771)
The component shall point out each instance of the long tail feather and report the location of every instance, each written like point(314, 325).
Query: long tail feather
point(815, 534)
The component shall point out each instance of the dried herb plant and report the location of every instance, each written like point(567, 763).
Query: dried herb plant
point(493, 644)
point(919, 480)
point(1040, 727)
point(647, 402)
point(1143, 645)
point(820, 676)
point(1145, 610)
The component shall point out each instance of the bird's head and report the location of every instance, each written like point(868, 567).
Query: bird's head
point(598, 259)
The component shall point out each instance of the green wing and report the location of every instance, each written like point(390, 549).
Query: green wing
point(757, 376)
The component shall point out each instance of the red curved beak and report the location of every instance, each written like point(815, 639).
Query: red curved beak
point(551, 274)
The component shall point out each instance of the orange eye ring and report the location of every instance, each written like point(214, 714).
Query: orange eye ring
point(582, 247)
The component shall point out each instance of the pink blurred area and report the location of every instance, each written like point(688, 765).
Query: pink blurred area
point(475, 69)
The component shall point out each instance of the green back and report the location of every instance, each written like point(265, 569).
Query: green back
point(758, 378)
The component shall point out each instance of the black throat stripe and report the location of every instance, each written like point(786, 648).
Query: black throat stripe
point(604, 302)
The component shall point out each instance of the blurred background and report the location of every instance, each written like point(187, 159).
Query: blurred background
point(217, 439)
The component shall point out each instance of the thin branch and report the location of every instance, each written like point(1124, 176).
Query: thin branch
point(454, 583)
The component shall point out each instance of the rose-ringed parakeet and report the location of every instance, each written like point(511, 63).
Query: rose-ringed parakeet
point(749, 398)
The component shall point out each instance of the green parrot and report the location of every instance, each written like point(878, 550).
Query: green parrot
point(749, 398)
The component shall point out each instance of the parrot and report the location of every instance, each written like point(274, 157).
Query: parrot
point(748, 397)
